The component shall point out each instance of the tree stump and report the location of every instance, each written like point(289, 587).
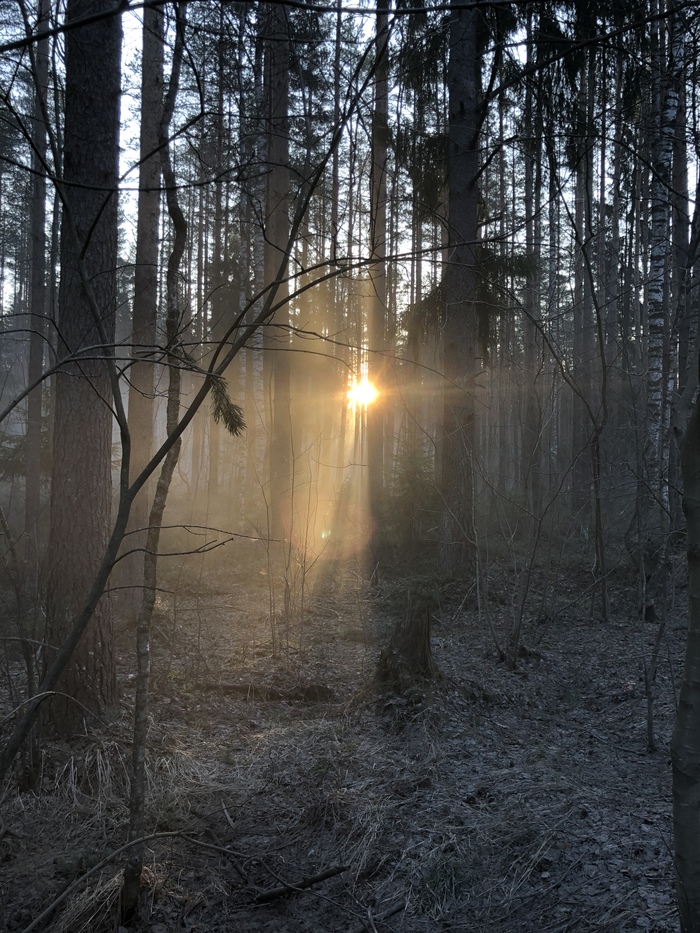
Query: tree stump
point(408, 659)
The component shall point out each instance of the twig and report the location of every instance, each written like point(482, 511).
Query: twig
point(45, 696)
point(285, 889)
point(228, 816)
point(45, 914)
point(384, 915)
point(620, 748)
point(225, 851)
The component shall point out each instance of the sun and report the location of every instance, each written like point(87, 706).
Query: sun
point(362, 393)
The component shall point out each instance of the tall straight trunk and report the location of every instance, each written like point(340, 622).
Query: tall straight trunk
point(681, 266)
point(137, 802)
point(685, 742)
point(198, 426)
point(217, 274)
point(461, 365)
point(145, 305)
point(583, 301)
point(503, 383)
point(553, 301)
point(531, 421)
point(37, 304)
point(81, 485)
point(377, 412)
point(256, 365)
point(278, 344)
point(457, 542)
point(614, 271)
point(666, 94)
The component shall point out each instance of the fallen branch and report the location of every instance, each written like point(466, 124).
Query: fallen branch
point(231, 855)
point(310, 693)
point(284, 890)
point(369, 925)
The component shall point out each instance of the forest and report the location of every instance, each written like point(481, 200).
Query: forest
point(349, 466)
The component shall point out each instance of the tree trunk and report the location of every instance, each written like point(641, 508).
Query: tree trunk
point(666, 104)
point(217, 273)
point(277, 344)
point(145, 305)
point(376, 412)
point(82, 447)
point(408, 659)
point(685, 743)
point(37, 308)
point(137, 803)
point(457, 544)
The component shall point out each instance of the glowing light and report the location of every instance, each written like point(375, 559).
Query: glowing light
point(362, 393)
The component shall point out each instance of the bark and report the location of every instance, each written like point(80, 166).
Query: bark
point(685, 743)
point(666, 102)
point(457, 543)
point(217, 276)
point(137, 807)
point(82, 444)
point(145, 305)
point(376, 412)
point(408, 659)
point(276, 243)
point(584, 327)
point(531, 420)
point(37, 306)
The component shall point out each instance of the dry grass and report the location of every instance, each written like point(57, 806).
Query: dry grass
point(490, 802)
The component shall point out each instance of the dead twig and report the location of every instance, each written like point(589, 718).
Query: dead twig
point(369, 925)
point(285, 889)
point(231, 855)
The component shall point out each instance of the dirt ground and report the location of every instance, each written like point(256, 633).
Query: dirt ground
point(488, 801)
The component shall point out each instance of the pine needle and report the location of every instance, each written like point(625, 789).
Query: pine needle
point(225, 411)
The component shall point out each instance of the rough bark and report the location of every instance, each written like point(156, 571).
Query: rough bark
point(685, 743)
point(666, 91)
point(376, 413)
point(584, 326)
point(145, 305)
point(137, 804)
point(37, 306)
point(408, 659)
point(277, 342)
point(82, 445)
point(460, 329)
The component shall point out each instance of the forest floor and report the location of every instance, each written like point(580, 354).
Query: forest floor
point(487, 801)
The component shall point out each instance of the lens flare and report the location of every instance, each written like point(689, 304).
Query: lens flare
point(362, 394)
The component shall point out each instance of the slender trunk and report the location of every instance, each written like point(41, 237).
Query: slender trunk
point(145, 305)
point(277, 234)
point(37, 307)
point(217, 276)
point(376, 412)
point(137, 804)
